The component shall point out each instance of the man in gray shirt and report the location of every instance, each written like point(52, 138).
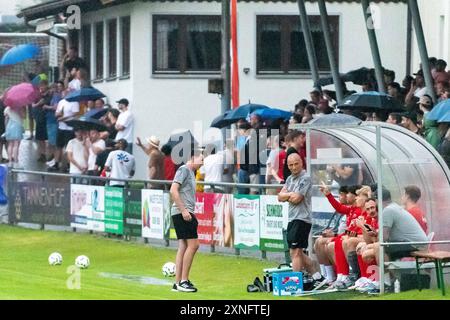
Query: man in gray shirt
point(398, 226)
point(184, 221)
point(297, 191)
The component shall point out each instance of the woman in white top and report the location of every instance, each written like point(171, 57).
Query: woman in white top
point(13, 133)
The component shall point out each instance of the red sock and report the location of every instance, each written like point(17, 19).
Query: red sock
point(341, 260)
point(362, 266)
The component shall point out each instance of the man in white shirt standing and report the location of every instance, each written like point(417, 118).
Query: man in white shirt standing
point(77, 154)
point(120, 164)
point(64, 111)
point(95, 145)
point(125, 124)
point(213, 166)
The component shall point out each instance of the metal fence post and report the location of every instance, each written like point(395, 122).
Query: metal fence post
point(264, 254)
point(10, 186)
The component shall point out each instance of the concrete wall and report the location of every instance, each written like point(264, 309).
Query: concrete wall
point(435, 16)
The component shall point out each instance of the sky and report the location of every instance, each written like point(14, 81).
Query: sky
point(9, 7)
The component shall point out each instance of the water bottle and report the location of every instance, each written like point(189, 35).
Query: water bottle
point(397, 286)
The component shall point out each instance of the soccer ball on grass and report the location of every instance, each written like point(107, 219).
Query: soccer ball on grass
point(82, 262)
point(168, 269)
point(55, 259)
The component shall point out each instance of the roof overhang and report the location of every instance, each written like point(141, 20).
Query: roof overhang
point(59, 6)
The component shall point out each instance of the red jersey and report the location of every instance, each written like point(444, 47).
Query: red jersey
point(418, 214)
point(169, 168)
point(281, 161)
point(351, 212)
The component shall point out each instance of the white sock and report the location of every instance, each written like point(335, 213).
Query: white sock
point(330, 273)
point(323, 270)
point(339, 277)
point(344, 277)
point(316, 276)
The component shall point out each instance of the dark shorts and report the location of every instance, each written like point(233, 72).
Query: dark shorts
point(185, 229)
point(399, 251)
point(63, 137)
point(298, 234)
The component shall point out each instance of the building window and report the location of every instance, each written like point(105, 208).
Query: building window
point(99, 50)
point(125, 45)
point(186, 44)
point(112, 48)
point(281, 46)
point(86, 43)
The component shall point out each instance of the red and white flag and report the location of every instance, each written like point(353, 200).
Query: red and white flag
point(234, 57)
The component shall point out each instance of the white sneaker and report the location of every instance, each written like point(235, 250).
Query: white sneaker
point(50, 163)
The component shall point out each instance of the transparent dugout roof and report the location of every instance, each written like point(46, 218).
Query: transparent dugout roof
point(407, 160)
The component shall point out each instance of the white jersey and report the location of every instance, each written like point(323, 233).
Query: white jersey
point(121, 164)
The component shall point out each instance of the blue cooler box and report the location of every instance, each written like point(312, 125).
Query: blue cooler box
point(287, 283)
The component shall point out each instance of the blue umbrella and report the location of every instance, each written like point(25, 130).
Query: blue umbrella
point(84, 94)
point(272, 113)
point(19, 54)
point(440, 112)
point(242, 112)
point(371, 101)
point(96, 113)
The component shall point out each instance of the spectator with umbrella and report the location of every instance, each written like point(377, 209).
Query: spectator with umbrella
point(14, 133)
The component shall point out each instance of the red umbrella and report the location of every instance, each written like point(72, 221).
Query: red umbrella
point(21, 95)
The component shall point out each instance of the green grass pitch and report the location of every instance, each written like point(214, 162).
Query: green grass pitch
point(26, 274)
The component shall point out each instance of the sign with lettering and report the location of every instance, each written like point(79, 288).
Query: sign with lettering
point(273, 219)
point(132, 216)
point(246, 221)
point(204, 203)
point(152, 214)
point(40, 202)
point(114, 207)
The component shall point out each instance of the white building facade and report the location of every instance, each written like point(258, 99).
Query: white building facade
point(165, 100)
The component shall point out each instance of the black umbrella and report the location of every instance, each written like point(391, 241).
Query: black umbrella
point(371, 101)
point(85, 123)
point(335, 119)
point(220, 122)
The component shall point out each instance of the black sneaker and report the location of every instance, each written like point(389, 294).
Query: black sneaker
point(189, 281)
point(54, 168)
point(174, 287)
point(186, 286)
point(319, 283)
